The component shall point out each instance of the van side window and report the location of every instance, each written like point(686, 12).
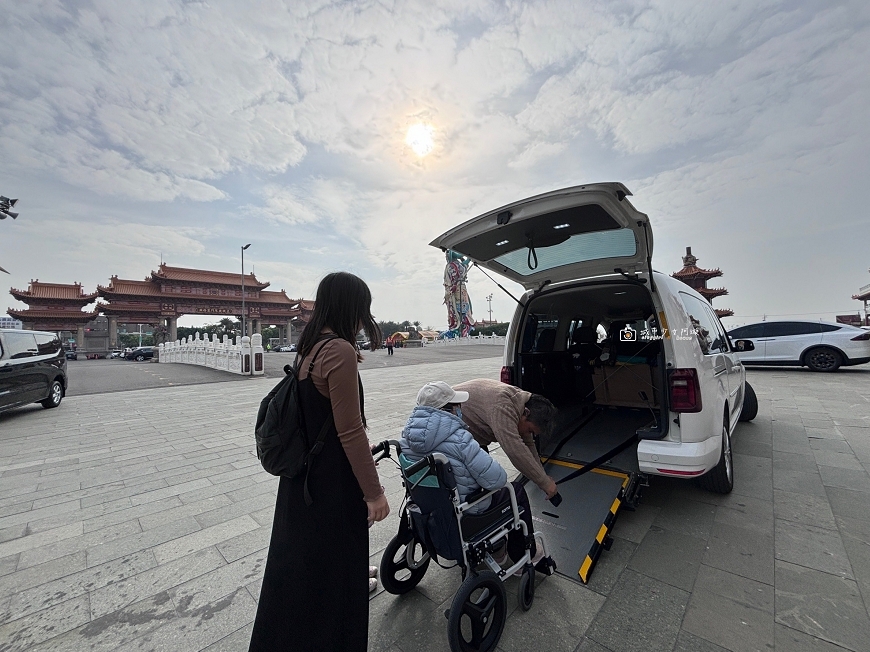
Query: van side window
point(705, 324)
point(47, 344)
point(20, 345)
point(747, 332)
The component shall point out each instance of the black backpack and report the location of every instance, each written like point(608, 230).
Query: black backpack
point(282, 443)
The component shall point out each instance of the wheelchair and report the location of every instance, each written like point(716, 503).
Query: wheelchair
point(434, 522)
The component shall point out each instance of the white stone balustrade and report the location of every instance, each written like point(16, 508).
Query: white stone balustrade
point(244, 356)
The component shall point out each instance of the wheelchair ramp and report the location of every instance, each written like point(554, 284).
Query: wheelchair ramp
point(576, 531)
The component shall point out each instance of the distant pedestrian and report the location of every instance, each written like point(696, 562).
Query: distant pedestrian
point(389, 347)
point(315, 592)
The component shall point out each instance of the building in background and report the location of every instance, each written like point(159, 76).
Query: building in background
point(10, 322)
point(863, 295)
point(55, 307)
point(696, 278)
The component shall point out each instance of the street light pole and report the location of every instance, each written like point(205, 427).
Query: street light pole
point(489, 301)
point(243, 287)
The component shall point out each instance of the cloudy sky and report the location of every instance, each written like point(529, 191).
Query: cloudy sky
point(131, 130)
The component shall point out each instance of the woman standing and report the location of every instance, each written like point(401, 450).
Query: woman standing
point(315, 587)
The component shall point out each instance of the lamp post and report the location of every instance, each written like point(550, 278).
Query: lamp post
point(489, 301)
point(243, 287)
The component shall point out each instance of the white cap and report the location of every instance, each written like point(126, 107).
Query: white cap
point(439, 394)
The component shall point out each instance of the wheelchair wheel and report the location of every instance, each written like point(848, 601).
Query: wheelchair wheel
point(403, 564)
point(478, 614)
point(527, 587)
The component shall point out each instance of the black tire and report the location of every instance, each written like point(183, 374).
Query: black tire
point(527, 587)
point(399, 574)
point(477, 614)
point(823, 359)
point(140, 358)
point(750, 404)
point(55, 395)
point(720, 479)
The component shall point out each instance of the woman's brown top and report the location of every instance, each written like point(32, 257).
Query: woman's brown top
point(335, 377)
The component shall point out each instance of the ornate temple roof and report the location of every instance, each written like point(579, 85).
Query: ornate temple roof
point(691, 269)
point(52, 315)
point(53, 291)
point(125, 286)
point(165, 272)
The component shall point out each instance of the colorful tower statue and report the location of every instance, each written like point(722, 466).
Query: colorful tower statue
point(696, 278)
point(459, 318)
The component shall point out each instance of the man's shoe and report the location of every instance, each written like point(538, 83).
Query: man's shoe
point(547, 566)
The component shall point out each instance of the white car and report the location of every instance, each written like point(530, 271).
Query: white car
point(821, 346)
point(627, 354)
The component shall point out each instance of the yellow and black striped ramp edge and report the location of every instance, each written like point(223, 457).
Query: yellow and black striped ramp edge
point(575, 531)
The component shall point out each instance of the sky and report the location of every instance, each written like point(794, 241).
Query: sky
point(137, 132)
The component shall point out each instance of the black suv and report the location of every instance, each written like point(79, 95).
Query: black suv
point(32, 369)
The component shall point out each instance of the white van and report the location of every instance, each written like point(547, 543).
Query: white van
point(629, 356)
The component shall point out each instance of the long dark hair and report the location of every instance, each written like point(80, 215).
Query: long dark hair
point(343, 302)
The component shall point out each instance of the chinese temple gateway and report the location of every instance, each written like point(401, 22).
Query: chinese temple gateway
point(54, 307)
point(160, 300)
point(696, 278)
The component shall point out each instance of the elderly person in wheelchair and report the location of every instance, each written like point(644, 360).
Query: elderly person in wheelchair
point(460, 507)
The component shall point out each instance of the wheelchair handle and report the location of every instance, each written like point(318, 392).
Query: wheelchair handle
point(427, 462)
point(383, 449)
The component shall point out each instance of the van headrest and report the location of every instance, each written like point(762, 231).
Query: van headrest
point(584, 335)
point(546, 340)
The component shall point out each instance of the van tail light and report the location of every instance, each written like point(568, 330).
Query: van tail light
point(507, 375)
point(685, 390)
point(862, 337)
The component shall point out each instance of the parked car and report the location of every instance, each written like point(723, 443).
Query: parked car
point(287, 348)
point(117, 353)
point(140, 353)
point(662, 375)
point(32, 369)
point(71, 355)
point(821, 346)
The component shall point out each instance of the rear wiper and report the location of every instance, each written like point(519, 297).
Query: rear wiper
point(519, 303)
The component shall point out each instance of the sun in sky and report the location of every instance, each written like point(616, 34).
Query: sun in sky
point(420, 139)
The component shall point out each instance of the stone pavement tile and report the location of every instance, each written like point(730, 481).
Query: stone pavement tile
point(853, 423)
point(641, 614)
point(256, 586)
point(174, 490)
point(199, 627)
point(728, 623)
point(44, 538)
point(264, 516)
point(13, 532)
point(22, 580)
point(788, 477)
point(748, 444)
point(79, 583)
point(688, 642)
point(747, 512)
point(113, 491)
point(252, 491)
point(633, 526)
point(822, 425)
point(804, 599)
point(99, 554)
point(856, 540)
point(189, 543)
point(687, 517)
point(222, 514)
point(741, 551)
point(412, 621)
point(804, 509)
point(849, 503)
point(752, 476)
point(235, 642)
point(812, 547)
point(561, 612)
point(588, 645)
point(791, 640)
point(126, 512)
point(25, 632)
point(858, 480)
point(245, 544)
point(831, 445)
point(791, 443)
point(837, 460)
point(182, 510)
point(610, 566)
point(112, 631)
point(42, 554)
point(670, 557)
point(214, 490)
point(42, 512)
point(9, 564)
point(16, 508)
point(138, 587)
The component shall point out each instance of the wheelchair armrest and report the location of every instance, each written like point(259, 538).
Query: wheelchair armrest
point(475, 497)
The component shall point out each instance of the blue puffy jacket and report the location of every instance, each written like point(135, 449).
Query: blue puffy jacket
point(432, 430)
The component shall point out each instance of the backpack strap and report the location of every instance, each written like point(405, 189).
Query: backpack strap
point(321, 436)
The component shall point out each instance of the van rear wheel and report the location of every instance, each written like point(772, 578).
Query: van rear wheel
point(720, 479)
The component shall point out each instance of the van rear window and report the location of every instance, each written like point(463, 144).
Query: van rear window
point(616, 243)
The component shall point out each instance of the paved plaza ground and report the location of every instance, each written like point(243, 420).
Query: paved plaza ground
point(139, 520)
